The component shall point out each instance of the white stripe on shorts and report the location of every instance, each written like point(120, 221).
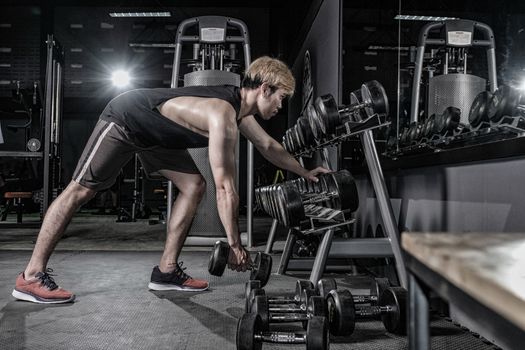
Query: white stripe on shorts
point(93, 151)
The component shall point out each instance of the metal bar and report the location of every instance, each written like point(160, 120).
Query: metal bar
point(271, 237)
point(493, 75)
point(418, 316)
point(385, 206)
point(287, 252)
point(249, 156)
point(321, 257)
point(416, 84)
point(47, 124)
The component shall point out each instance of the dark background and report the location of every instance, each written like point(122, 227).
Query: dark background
point(277, 28)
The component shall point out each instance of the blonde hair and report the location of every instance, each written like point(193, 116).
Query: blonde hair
point(271, 71)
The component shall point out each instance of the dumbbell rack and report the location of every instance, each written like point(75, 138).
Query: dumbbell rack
point(346, 248)
point(508, 127)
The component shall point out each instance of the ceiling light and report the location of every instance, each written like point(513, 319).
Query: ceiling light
point(422, 18)
point(120, 78)
point(140, 14)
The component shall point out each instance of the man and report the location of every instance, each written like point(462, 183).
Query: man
point(161, 124)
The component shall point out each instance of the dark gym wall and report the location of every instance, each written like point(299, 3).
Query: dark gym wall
point(323, 42)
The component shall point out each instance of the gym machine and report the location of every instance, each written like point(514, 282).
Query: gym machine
point(460, 110)
point(324, 124)
point(51, 133)
point(214, 62)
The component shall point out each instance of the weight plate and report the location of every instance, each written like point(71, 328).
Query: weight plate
point(247, 326)
point(251, 298)
point(218, 258)
point(300, 286)
point(356, 98)
point(294, 206)
point(263, 269)
point(306, 130)
point(378, 286)
point(348, 195)
point(394, 321)
point(374, 95)
point(316, 306)
point(250, 285)
point(341, 312)
point(429, 126)
point(317, 334)
point(328, 112)
point(503, 103)
point(325, 285)
point(452, 116)
point(33, 145)
point(260, 307)
point(314, 121)
point(478, 112)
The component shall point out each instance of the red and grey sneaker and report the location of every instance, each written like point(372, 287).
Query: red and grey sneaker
point(176, 280)
point(41, 289)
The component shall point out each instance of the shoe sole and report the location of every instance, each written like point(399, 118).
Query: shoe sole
point(160, 287)
point(34, 299)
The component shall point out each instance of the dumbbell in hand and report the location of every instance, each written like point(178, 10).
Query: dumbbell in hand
point(251, 335)
point(261, 267)
point(253, 288)
point(342, 311)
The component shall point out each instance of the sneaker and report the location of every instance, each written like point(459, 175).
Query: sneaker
point(42, 289)
point(176, 280)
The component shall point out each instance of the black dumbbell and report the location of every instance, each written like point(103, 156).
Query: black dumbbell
point(251, 335)
point(377, 287)
point(339, 192)
point(479, 110)
point(448, 121)
point(329, 115)
point(253, 289)
point(506, 101)
point(260, 268)
point(315, 306)
point(305, 131)
point(342, 311)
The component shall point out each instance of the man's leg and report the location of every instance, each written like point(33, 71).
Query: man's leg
point(35, 284)
point(191, 189)
point(55, 222)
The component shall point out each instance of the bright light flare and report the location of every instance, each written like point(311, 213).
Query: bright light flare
point(120, 78)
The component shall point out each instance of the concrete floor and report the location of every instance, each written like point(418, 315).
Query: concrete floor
point(108, 266)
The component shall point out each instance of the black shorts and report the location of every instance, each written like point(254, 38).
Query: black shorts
point(110, 147)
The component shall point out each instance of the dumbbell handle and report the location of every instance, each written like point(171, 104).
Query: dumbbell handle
point(280, 301)
point(288, 309)
point(319, 197)
point(292, 317)
point(281, 337)
point(362, 299)
point(365, 311)
point(352, 108)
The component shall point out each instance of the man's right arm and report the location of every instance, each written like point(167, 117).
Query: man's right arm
point(222, 140)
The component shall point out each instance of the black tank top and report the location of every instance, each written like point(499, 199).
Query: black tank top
point(136, 110)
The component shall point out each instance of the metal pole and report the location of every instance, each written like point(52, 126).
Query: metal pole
point(271, 237)
point(322, 256)
point(249, 166)
point(418, 318)
point(385, 206)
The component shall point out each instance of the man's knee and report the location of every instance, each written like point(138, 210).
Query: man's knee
point(196, 188)
point(79, 193)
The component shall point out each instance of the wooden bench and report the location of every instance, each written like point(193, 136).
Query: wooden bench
point(481, 274)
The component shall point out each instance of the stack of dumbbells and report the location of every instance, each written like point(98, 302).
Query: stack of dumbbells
point(292, 201)
point(323, 118)
point(322, 311)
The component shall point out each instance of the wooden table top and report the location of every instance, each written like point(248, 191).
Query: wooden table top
point(490, 267)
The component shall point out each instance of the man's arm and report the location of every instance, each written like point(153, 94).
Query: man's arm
point(222, 140)
point(273, 151)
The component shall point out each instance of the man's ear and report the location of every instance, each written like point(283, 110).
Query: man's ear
point(266, 90)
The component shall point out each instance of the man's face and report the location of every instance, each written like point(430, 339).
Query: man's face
point(270, 103)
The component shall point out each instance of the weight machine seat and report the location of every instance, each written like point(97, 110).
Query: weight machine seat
point(11, 195)
point(15, 199)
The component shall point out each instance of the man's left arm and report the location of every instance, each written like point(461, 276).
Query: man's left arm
point(273, 151)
